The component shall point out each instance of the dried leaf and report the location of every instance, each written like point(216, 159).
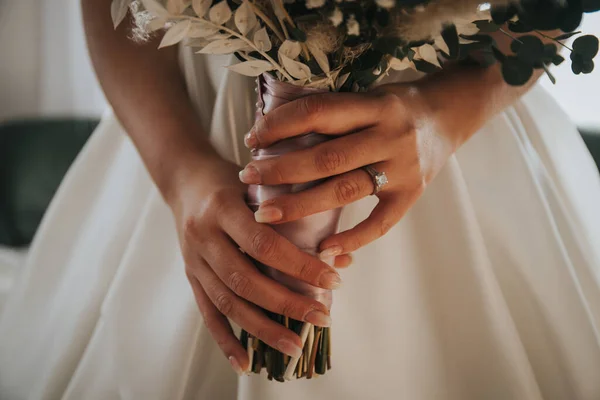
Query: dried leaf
point(295, 68)
point(177, 6)
point(118, 11)
point(200, 29)
point(156, 24)
point(290, 49)
point(441, 44)
point(220, 13)
point(320, 57)
point(401, 65)
point(155, 8)
point(278, 9)
point(201, 7)
point(252, 68)
point(245, 19)
point(175, 34)
point(261, 40)
point(224, 46)
point(341, 80)
point(428, 53)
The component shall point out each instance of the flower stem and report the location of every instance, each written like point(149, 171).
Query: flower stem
point(551, 38)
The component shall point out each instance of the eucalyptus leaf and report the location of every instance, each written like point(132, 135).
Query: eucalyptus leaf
point(261, 40)
point(515, 71)
point(252, 68)
point(155, 8)
point(586, 45)
point(450, 36)
point(245, 19)
point(224, 46)
point(177, 6)
point(220, 13)
point(290, 49)
point(118, 11)
point(295, 68)
point(201, 7)
point(201, 29)
point(320, 57)
point(175, 34)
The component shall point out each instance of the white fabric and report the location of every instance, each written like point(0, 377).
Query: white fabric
point(487, 289)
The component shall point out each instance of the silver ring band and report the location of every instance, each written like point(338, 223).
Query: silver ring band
point(379, 178)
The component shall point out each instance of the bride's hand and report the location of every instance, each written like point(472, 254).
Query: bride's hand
point(393, 129)
point(213, 220)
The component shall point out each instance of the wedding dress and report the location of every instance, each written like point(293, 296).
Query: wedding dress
point(487, 289)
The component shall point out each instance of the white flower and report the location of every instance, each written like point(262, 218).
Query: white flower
point(386, 3)
point(336, 17)
point(352, 26)
point(314, 4)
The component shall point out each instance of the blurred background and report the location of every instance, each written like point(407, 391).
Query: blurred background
point(50, 102)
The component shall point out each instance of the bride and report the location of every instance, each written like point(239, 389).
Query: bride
point(474, 269)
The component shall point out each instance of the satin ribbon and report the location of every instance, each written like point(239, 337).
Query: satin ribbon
point(307, 232)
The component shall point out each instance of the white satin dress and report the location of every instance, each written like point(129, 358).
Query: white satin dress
point(487, 289)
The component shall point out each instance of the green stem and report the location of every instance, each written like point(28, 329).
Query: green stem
point(551, 38)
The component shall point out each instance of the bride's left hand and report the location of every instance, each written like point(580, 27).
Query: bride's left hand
point(393, 128)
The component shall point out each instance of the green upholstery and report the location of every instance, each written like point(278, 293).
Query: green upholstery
point(34, 156)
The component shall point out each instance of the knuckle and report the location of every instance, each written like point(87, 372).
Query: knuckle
point(190, 227)
point(241, 284)
point(262, 334)
point(216, 201)
point(329, 160)
point(276, 173)
point(264, 244)
point(297, 209)
point(311, 105)
point(347, 190)
point(224, 303)
point(306, 270)
point(287, 308)
point(263, 127)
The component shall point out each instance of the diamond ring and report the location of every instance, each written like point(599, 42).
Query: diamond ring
point(379, 178)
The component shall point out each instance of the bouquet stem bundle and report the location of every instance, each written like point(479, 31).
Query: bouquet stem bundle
point(315, 359)
point(305, 233)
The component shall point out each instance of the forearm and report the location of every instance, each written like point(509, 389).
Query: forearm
point(464, 98)
point(147, 92)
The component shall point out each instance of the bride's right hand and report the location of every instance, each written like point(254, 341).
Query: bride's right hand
point(213, 222)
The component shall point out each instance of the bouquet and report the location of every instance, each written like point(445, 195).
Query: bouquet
point(297, 48)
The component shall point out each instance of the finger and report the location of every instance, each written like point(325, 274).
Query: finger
point(384, 216)
point(237, 272)
point(323, 160)
point(220, 329)
point(328, 113)
point(332, 193)
point(343, 261)
point(262, 243)
point(246, 315)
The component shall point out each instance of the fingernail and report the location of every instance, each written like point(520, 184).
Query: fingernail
point(318, 318)
point(268, 214)
point(249, 175)
point(330, 252)
point(236, 366)
point(330, 280)
point(288, 347)
point(250, 139)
